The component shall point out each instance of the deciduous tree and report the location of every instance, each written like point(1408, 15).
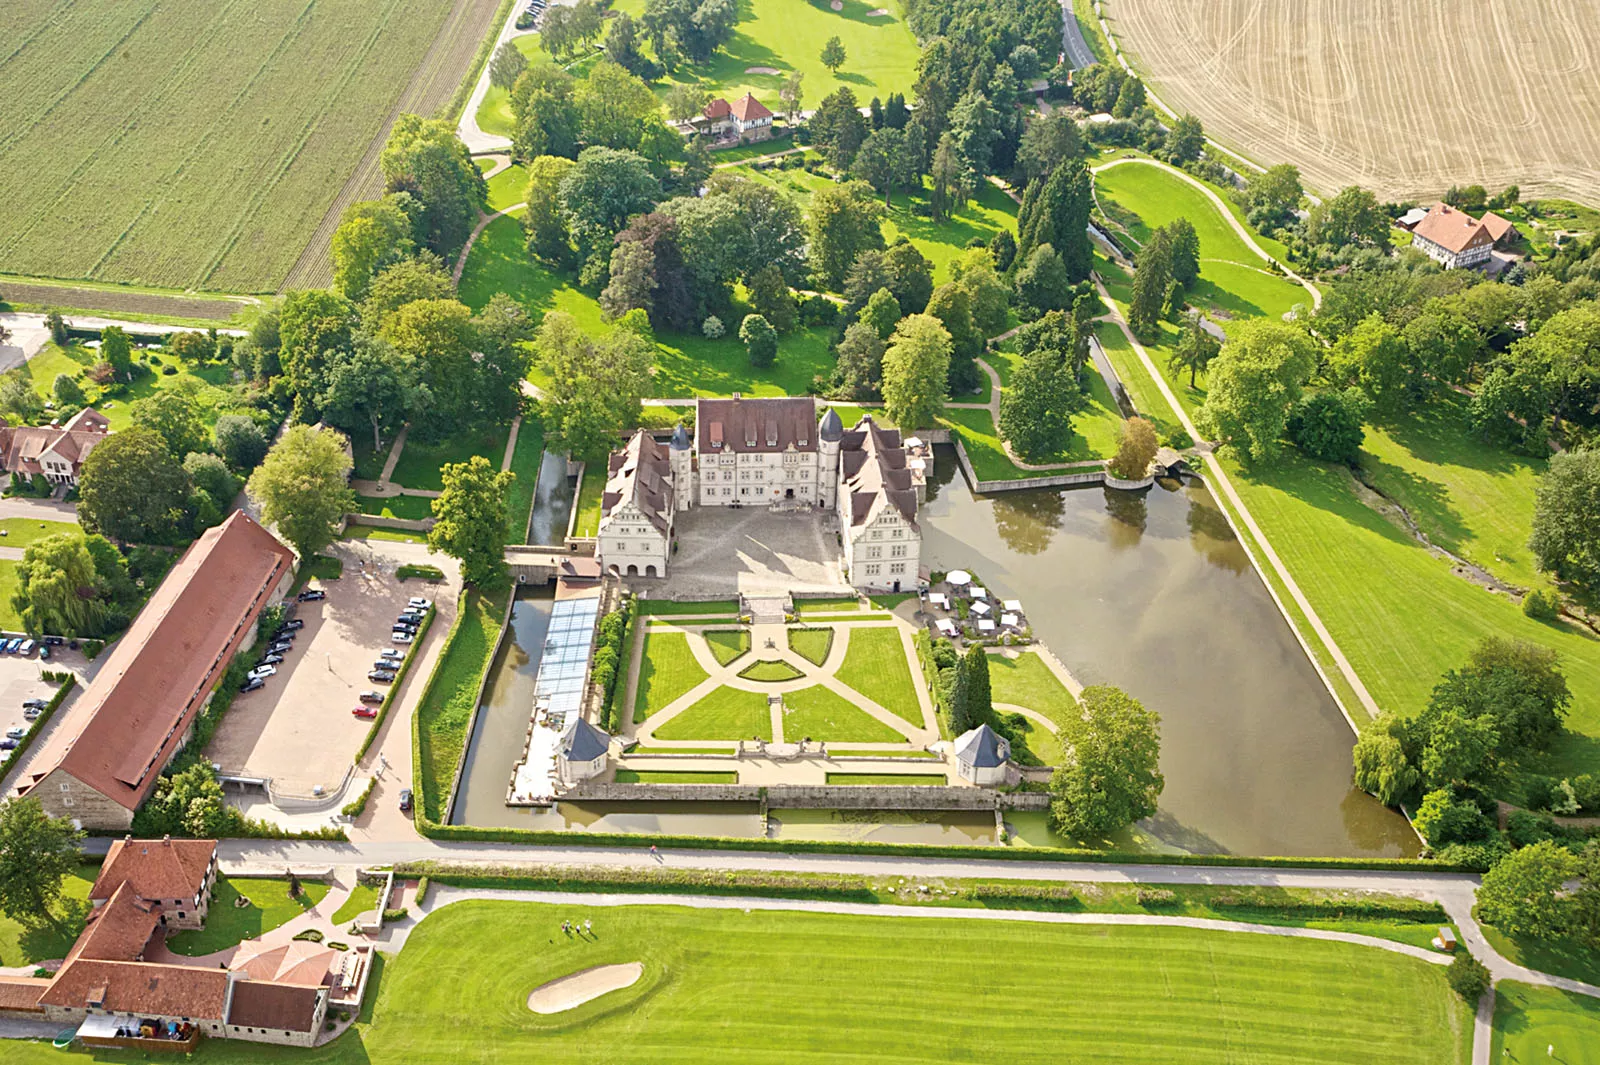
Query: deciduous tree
point(1254, 382)
point(916, 367)
point(470, 519)
point(1037, 407)
point(240, 442)
point(175, 418)
point(1566, 517)
point(1523, 894)
point(760, 340)
point(594, 390)
point(131, 488)
point(844, 221)
point(833, 55)
point(1111, 776)
point(37, 852)
point(302, 487)
point(545, 222)
point(1136, 449)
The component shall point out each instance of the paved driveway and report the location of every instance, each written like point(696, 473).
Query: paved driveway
point(753, 551)
point(19, 680)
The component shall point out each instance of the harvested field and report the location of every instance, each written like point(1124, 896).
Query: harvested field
point(114, 301)
point(1406, 99)
point(153, 143)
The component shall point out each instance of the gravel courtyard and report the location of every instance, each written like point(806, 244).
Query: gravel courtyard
point(751, 551)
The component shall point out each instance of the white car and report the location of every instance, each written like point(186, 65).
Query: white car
point(402, 637)
point(31, 713)
point(16, 732)
point(262, 672)
point(391, 653)
point(419, 602)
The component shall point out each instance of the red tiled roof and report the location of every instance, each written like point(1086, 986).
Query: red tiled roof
point(140, 987)
point(119, 930)
point(286, 1007)
point(1452, 230)
point(718, 108)
point(756, 425)
point(18, 993)
point(748, 109)
point(155, 868)
point(1498, 227)
point(159, 674)
point(22, 446)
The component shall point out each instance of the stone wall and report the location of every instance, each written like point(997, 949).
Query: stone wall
point(822, 796)
point(379, 521)
point(1091, 474)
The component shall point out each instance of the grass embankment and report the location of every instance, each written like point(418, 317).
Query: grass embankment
point(894, 779)
point(770, 671)
point(820, 714)
point(1528, 1018)
point(724, 714)
point(875, 665)
point(228, 923)
point(1027, 681)
point(445, 709)
point(362, 898)
point(591, 492)
point(668, 607)
point(667, 671)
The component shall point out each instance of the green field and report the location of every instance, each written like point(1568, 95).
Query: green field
point(228, 924)
point(1569, 956)
point(1530, 1021)
point(671, 607)
point(788, 35)
point(445, 710)
point(1027, 681)
point(875, 665)
point(811, 644)
point(822, 714)
point(20, 532)
point(667, 671)
point(724, 714)
point(727, 644)
point(770, 671)
point(507, 188)
point(420, 462)
point(164, 144)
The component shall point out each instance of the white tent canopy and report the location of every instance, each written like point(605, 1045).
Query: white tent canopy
point(958, 576)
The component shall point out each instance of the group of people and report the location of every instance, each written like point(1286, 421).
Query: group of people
point(573, 928)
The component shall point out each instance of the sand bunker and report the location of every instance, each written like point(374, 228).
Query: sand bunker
point(762, 70)
point(878, 12)
point(569, 992)
point(837, 5)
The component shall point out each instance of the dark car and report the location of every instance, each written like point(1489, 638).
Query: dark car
point(292, 625)
point(271, 660)
point(55, 641)
point(405, 800)
point(371, 697)
point(253, 684)
point(281, 647)
point(382, 676)
point(401, 626)
point(311, 595)
point(34, 704)
point(11, 745)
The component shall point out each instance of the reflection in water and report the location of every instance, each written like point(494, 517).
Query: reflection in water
point(1128, 513)
point(552, 502)
point(1151, 592)
point(964, 828)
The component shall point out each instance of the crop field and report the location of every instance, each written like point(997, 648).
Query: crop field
point(1406, 99)
point(163, 143)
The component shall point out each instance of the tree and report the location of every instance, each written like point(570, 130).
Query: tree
point(686, 100)
point(470, 519)
point(371, 235)
point(1041, 284)
point(916, 366)
point(558, 33)
point(211, 476)
point(884, 163)
point(844, 221)
point(975, 127)
point(544, 115)
point(1059, 216)
point(438, 338)
point(1048, 141)
point(371, 386)
point(1003, 246)
point(909, 276)
point(1523, 893)
point(1110, 778)
point(599, 194)
point(833, 55)
point(622, 47)
point(989, 296)
point(613, 106)
point(881, 313)
point(1381, 766)
point(1036, 408)
point(838, 128)
point(57, 325)
point(594, 389)
point(131, 488)
point(1195, 349)
point(1468, 977)
point(1254, 382)
point(952, 306)
point(1374, 357)
point(37, 852)
point(1152, 275)
point(975, 675)
point(1136, 449)
point(1271, 196)
point(1566, 517)
point(56, 588)
point(633, 280)
point(545, 221)
point(1186, 139)
point(302, 487)
point(771, 298)
point(424, 157)
point(760, 340)
point(507, 65)
point(859, 370)
point(175, 418)
point(1354, 216)
point(422, 277)
point(1567, 352)
point(1327, 425)
point(67, 392)
point(792, 94)
point(313, 324)
point(950, 184)
point(1183, 245)
point(117, 349)
point(240, 442)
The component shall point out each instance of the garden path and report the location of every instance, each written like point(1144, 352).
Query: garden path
point(466, 249)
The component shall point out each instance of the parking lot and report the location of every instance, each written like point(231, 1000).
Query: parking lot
point(298, 730)
point(20, 682)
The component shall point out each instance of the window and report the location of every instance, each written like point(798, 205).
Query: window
point(897, 551)
point(874, 552)
point(872, 569)
point(66, 787)
point(877, 534)
point(68, 802)
point(898, 567)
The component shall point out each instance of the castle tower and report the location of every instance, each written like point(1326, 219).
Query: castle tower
point(829, 432)
point(684, 490)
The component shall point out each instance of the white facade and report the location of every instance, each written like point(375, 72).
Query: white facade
point(631, 545)
point(634, 538)
point(884, 555)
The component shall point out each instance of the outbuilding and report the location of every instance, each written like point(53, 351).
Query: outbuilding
point(981, 755)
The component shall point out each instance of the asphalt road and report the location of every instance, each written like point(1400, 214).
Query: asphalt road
point(1073, 44)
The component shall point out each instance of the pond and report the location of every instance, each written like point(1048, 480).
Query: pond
point(1150, 591)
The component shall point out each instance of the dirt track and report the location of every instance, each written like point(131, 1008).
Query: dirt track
point(1405, 99)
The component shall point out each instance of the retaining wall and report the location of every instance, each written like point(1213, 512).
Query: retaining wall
point(818, 796)
point(382, 522)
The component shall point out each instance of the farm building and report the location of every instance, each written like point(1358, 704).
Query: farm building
point(744, 121)
point(1456, 240)
point(54, 452)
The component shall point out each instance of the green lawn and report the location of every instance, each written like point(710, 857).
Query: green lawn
point(1529, 1020)
point(420, 461)
point(667, 671)
point(507, 188)
point(206, 384)
point(926, 780)
point(228, 924)
point(372, 532)
point(989, 211)
point(675, 776)
point(21, 945)
point(770, 671)
point(1027, 681)
point(1041, 743)
point(988, 456)
point(821, 714)
point(525, 460)
point(591, 492)
point(20, 532)
point(443, 714)
point(725, 714)
point(411, 507)
point(10, 585)
point(875, 665)
point(788, 35)
point(827, 605)
point(811, 644)
point(363, 897)
point(666, 607)
point(494, 114)
point(727, 644)
point(1567, 956)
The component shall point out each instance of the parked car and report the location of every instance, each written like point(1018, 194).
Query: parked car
point(292, 625)
point(311, 595)
point(262, 672)
point(371, 697)
point(401, 637)
point(382, 676)
point(252, 685)
point(399, 628)
point(419, 602)
point(271, 660)
point(16, 732)
point(31, 714)
point(34, 704)
point(8, 745)
point(405, 800)
point(364, 711)
point(26, 648)
point(44, 654)
point(55, 641)
point(390, 652)
point(281, 647)
point(411, 617)
point(12, 645)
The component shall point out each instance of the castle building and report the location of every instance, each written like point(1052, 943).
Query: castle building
point(769, 452)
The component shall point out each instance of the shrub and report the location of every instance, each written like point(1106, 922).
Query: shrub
point(355, 807)
point(310, 935)
point(1468, 976)
point(1541, 605)
point(713, 328)
point(1586, 789)
point(395, 913)
point(1444, 819)
point(1524, 829)
point(429, 573)
point(1156, 897)
point(169, 371)
point(1327, 425)
point(1540, 793)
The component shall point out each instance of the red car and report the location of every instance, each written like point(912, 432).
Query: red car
point(365, 711)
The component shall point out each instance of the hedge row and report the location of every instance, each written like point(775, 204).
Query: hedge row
point(610, 659)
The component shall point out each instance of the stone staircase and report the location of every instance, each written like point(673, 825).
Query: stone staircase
point(767, 610)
